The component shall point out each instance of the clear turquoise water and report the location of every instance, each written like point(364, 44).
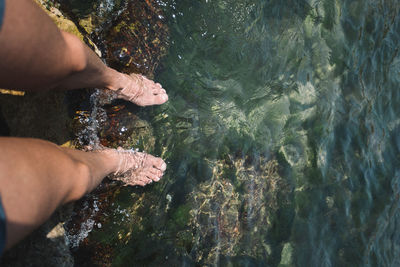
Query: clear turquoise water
point(313, 84)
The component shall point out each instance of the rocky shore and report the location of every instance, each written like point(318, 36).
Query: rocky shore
point(61, 117)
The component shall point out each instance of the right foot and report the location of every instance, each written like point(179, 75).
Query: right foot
point(137, 168)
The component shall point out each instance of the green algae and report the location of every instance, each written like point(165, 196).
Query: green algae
point(181, 217)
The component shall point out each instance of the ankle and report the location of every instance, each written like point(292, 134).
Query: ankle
point(114, 80)
point(111, 158)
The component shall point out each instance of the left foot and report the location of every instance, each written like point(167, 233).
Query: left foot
point(142, 91)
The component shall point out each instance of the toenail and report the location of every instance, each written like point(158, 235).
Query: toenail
point(163, 166)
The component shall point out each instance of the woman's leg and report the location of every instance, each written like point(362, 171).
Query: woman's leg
point(36, 55)
point(37, 176)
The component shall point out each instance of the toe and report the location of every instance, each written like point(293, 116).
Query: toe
point(143, 180)
point(158, 91)
point(157, 163)
point(156, 172)
point(163, 166)
point(147, 180)
point(153, 176)
point(160, 99)
point(136, 181)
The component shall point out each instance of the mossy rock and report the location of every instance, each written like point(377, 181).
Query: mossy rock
point(132, 35)
point(138, 39)
point(59, 19)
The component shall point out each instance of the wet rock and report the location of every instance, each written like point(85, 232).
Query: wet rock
point(95, 215)
point(47, 246)
point(39, 115)
point(114, 126)
point(138, 39)
point(88, 215)
point(132, 35)
point(93, 16)
point(125, 129)
point(59, 19)
point(101, 228)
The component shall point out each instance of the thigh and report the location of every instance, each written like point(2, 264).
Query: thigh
point(32, 48)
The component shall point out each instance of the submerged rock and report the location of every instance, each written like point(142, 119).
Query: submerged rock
point(117, 127)
point(113, 126)
point(132, 35)
point(122, 128)
point(138, 38)
point(235, 212)
point(242, 214)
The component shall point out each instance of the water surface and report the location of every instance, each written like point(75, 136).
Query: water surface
point(281, 136)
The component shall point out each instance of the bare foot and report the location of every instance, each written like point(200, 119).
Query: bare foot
point(142, 91)
point(137, 168)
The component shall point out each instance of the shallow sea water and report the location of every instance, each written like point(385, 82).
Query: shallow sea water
point(308, 85)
